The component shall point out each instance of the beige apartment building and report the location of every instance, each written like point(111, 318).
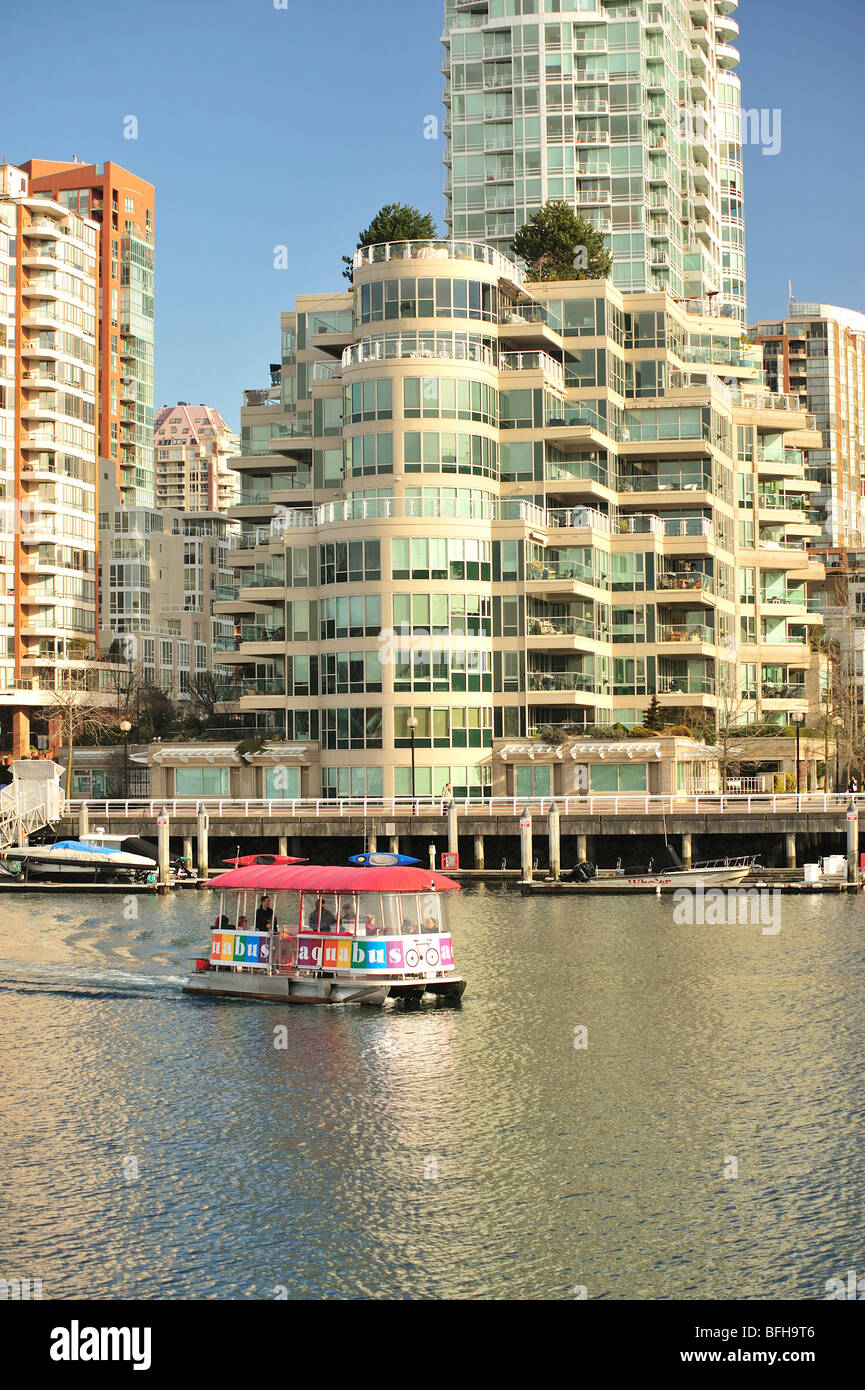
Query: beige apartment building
point(476, 509)
point(161, 573)
point(193, 445)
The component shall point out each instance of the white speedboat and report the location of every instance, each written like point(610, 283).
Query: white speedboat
point(711, 873)
point(75, 858)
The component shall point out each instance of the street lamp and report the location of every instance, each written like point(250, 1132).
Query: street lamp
point(839, 724)
point(412, 724)
point(125, 727)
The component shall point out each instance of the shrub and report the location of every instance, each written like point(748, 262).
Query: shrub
point(639, 731)
point(679, 731)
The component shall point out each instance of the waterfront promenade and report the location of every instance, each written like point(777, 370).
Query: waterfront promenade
point(571, 824)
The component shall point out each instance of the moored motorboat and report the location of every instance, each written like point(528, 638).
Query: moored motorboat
point(307, 934)
point(77, 859)
point(714, 873)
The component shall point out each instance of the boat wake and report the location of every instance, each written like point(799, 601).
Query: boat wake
point(30, 976)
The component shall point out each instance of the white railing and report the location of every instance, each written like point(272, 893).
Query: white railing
point(436, 251)
point(602, 804)
point(450, 347)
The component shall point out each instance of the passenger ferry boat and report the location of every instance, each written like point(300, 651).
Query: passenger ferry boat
point(305, 934)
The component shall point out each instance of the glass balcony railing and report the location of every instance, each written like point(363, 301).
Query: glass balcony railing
point(666, 482)
point(564, 470)
point(564, 680)
point(261, 633)
point(577, 517)
point(449, 347)
point(575, 417)
point(685, 685)
point(560, 569)
point(562, 627)
point(691, 632)
point(685, 579)
point(530, 313)
point(258, 685)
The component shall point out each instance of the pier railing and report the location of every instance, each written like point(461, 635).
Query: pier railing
point(398, 808)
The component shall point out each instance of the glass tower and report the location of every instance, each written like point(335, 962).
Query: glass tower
point(630, 112)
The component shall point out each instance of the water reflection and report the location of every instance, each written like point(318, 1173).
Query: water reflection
point(438, 1153)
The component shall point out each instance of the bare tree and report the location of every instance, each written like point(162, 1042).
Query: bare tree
point(76, 712)
point(211, 692)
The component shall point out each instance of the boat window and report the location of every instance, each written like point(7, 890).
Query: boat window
point(286, 911)
point(392, 913)
point(320, 911)
point(348, 914)
point(408, 923)
point(430, 913)
point(369, 914)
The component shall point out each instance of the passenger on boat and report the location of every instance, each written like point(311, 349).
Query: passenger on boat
point(408, 927)
point(243, 924)
point(321, 918)
point(264, 915)
point(431, 924)
point(371, 927)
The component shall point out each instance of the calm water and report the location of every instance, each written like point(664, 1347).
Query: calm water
point(313, 1168)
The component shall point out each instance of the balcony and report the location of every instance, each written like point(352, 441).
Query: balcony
point(687, 580)
point(443, 346)
point(685, 685)
point(578, 518)
point(533, 362)
point(550, 681)
point(577, 470)
point(689, 632)
point(437, 251)
point(575, 418)
point(666, 482)
point(562, 627)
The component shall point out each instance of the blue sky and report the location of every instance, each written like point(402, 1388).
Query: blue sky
point(263, 127)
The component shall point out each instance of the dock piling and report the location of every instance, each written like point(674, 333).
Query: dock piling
point(479, 851)
point(526, 846)
point(203, 857)
point(453, 829)
point(687, 850)
point(83, 821)
point(852, 842)
point(555, 840)
point(163, 831)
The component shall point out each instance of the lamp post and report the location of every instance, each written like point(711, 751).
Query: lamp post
point(838, 722)
point(412, 724)
point(125, 727)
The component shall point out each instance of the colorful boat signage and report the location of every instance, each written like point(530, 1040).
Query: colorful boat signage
point(246, 948)
point(404, 954)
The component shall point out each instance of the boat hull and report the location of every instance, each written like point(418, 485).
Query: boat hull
point(288, 989)
point(721, 877)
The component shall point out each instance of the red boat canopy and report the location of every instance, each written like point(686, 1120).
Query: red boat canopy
point(313, 878)
point(268, 860)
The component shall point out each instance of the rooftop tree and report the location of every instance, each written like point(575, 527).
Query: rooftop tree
point(557, 244)
point(395, 222)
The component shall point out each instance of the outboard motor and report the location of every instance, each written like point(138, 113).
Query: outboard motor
point(583, 872)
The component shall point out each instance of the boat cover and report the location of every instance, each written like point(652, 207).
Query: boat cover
point(316, 878)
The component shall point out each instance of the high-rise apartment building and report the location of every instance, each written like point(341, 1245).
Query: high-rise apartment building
point(123, 206)
point(193, 447)
point(48, 452)
point(818, 351)
point(493, 507)
point(162, 572)
point(628, 110)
